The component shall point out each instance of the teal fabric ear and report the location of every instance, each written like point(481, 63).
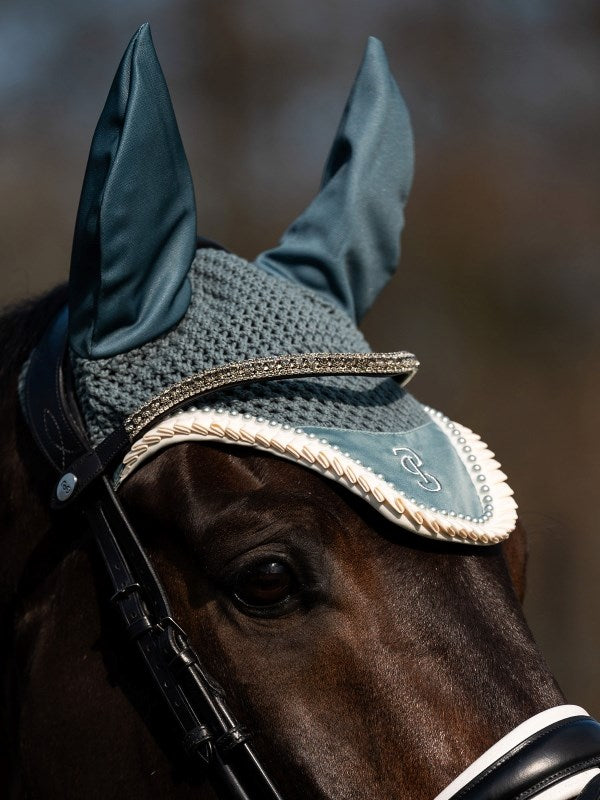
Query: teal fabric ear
point(135, 235)
point(346, 244)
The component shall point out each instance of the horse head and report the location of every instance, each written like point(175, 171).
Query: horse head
point(337, 553)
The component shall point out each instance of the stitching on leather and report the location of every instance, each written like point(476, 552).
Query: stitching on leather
point(103, 459)
point(57, 390)
point(47, 414)
point(121, 440)
point(543, 734)
point(60, 445)
point(564, 773)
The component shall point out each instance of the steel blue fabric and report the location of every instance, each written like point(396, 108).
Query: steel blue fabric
point(346, 245)
point(144, 317)
point(421, 463)
point(135, 235)
point(238, 311)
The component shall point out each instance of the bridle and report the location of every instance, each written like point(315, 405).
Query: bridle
point(208, 732)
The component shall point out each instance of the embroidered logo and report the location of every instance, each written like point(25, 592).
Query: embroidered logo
point(412, 463)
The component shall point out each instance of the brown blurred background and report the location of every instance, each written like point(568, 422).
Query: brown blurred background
point(498, 287)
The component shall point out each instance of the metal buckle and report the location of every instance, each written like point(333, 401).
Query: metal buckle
point(170, 622)
point(131, 587)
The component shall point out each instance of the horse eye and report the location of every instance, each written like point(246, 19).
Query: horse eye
point(266, 583)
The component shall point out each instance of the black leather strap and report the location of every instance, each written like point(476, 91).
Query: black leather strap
point(592, 790)
point(541, 761)
point(51, 418)
point(54, 418)
point(209, 733)
point(88, 466)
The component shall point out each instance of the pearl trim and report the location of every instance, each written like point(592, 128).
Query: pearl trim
point(208, 424)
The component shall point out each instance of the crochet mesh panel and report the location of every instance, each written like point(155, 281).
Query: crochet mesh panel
point(237, 312)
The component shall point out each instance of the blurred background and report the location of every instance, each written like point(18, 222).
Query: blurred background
point(500, 276)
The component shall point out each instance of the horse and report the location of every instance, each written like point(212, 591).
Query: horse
point(367, 660)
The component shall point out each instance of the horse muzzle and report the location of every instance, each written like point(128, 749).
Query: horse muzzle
point(554, 755)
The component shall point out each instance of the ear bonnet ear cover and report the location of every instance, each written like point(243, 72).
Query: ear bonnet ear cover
point(346, 245)
point(135, 235)
point(141, 322)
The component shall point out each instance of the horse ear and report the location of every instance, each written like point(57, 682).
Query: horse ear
point(135, 235)
point(346, 244)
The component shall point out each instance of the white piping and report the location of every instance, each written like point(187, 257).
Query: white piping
point(317, 454)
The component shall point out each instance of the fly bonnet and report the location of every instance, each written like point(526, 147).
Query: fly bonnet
point(154, 322)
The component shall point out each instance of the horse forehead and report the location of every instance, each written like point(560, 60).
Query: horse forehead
point(235, 472)
point(370, 550)
point(199, 470)
point(391, 585)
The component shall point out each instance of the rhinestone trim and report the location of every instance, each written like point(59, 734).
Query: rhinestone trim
point(401, 364)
